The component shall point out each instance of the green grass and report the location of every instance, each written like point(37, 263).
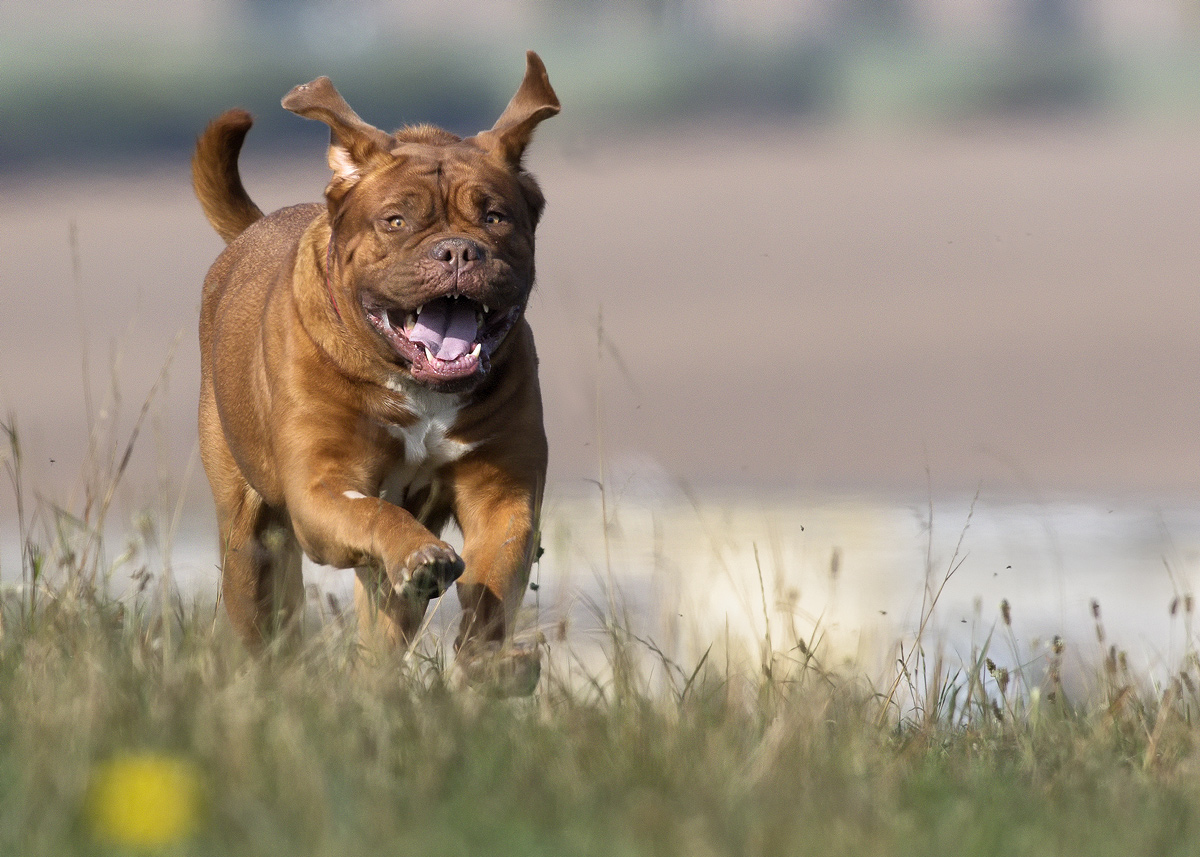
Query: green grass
point(330, 750)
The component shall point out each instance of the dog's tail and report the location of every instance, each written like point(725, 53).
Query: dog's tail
point(215, 176)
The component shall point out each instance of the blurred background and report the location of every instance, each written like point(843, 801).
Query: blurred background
point(890, 250)
point(834, 243)
point(114, 81)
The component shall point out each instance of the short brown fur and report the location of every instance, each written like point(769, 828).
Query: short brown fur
point(320, 431)
point(216, 178)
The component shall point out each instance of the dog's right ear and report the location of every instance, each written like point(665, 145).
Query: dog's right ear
point(353, 144)
point(535, 100)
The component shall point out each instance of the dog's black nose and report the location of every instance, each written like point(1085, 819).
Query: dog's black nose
point(457, 254)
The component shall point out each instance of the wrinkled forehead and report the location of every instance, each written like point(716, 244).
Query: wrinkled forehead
point(448, 165)
point(431, 182)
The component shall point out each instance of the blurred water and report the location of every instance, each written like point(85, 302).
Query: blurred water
point(687, 572)
point(755, 309)
point(853, 573)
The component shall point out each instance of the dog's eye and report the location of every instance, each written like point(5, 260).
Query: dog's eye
point(395, 222)
point(494, 217)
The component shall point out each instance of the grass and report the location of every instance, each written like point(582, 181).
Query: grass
point(330, 752)
point(135, 725)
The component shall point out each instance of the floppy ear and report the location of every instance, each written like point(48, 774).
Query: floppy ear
point(352, 142)
point(534, 101)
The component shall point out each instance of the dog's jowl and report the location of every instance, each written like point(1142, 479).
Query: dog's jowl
point(368, 374)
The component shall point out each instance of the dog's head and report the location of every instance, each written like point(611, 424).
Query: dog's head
point(432, 235)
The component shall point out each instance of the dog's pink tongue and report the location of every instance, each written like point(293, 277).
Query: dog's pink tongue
point(446, 327)
point(460, 331)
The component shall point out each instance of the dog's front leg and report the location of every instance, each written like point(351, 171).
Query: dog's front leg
point(339, 525)
point(497, 508)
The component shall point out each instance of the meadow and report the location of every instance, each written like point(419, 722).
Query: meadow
point(131, 722)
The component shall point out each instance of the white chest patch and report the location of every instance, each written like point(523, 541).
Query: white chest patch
point(426, 443)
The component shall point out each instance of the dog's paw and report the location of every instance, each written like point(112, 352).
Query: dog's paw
point(501, 670)
point(429, 571)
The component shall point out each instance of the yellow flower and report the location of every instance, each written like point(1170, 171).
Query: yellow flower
point(146, 800)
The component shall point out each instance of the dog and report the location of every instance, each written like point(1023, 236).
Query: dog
point(368, 374)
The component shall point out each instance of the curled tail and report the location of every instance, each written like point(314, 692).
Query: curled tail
point(215, 176)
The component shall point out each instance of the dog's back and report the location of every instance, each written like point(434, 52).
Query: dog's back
point(215, 176)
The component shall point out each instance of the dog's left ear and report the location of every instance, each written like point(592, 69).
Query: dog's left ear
point(535, 100)
point(352, 142)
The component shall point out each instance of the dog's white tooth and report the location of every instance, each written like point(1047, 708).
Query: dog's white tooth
point(475, 352)
point(485, 309)
point(410, 321)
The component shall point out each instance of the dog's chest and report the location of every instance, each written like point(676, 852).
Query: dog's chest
point(427, 444)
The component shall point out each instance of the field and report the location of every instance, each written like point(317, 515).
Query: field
point(135, 724)
point(904, 312)
point(998, 301)
point(326, 753)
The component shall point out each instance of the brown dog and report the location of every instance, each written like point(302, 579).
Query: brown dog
point(368, 373)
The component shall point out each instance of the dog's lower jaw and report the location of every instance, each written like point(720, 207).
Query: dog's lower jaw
point(460, 369)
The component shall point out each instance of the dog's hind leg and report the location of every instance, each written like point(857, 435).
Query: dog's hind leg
point(261, 580)
point(386, 619)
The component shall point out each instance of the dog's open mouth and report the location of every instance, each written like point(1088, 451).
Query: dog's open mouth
point(447, 339)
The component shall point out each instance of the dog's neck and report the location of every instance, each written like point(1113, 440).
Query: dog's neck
point(329, 274)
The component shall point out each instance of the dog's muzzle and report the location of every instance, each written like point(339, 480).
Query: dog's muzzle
point(448, 339)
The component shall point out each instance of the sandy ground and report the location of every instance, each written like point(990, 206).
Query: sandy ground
point(786, 308)
point(794, 316)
